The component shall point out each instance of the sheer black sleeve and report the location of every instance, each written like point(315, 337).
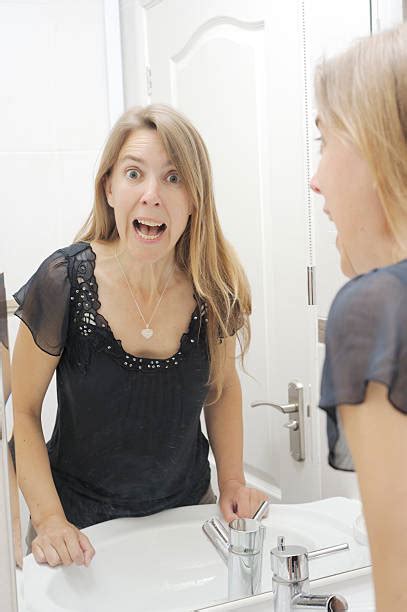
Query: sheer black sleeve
point(43, 304)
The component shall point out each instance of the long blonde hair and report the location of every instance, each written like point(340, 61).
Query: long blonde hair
point(202, 251)
point(362, 95)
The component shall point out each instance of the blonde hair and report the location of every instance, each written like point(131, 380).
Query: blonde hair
point(362, 95)
point(202, 251)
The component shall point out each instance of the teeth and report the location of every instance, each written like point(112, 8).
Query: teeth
point(149, 223)
point(147, 237)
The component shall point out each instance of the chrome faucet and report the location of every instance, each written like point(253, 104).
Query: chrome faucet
point(291, 580)
point(291, 589)
point(241, 548)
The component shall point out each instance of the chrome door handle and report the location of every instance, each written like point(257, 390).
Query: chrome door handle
point(285, 408)
point(295, 411)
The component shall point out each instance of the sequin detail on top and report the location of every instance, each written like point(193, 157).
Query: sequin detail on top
point(94, 327)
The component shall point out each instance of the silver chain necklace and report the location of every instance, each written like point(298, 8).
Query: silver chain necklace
point(147, 332)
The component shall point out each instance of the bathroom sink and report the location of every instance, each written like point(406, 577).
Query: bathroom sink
point(165, 563)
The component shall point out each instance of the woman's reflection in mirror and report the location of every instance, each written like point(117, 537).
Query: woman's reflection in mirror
point(362, 176)
point(139, 318)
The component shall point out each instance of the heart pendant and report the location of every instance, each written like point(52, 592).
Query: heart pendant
point(147, 333)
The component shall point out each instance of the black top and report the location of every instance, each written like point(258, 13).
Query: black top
point(127, 439)
point(366, 340)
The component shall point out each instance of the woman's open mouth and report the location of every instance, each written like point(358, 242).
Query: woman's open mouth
point(148, 230)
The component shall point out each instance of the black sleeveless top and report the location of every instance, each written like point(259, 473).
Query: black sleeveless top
point(127, 439)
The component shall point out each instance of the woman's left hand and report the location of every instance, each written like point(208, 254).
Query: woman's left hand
point(239, 501)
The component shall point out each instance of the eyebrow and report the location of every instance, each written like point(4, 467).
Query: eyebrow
point(139, 160)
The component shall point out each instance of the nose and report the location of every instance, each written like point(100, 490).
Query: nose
point(314, 185)
point(151, 196)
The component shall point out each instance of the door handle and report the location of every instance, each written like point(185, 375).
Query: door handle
point(291, 425)
point(285, 408)
point(295, 411)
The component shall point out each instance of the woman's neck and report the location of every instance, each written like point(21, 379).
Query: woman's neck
point(148, 279)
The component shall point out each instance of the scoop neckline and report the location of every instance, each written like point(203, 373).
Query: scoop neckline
point(118, 341)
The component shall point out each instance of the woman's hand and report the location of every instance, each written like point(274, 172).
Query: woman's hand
point(58, 542)
point(238, 501)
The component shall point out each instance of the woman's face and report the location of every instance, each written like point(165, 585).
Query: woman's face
point(344, 179)
point(150, 201)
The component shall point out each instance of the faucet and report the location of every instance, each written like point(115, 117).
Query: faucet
point(291, 580)
point(289, 564)
point(241, 548)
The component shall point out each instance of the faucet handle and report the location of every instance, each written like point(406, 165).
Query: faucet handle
point(314, 554)
point(261, 510)
point(289, 563)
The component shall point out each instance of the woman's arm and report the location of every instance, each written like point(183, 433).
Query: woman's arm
point(377, 436)
point(58, 541)
point(225, 432)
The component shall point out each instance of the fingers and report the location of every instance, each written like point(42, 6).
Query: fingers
point(38, 553)
point(244, 503)
point(63, 548)
point(73, 546)
point(87, 548)
point(59, 546)
point(227, 509)
point(46, 553)
point(249, 501)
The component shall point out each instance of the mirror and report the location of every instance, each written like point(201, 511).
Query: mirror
point(220, 64)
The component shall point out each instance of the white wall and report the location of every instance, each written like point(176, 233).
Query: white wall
point(63, 91)
point(53, 121)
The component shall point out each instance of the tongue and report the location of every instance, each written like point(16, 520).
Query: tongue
point(147, 230)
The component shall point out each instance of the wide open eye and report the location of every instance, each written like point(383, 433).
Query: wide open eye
point(174, 178)
point(132, 173)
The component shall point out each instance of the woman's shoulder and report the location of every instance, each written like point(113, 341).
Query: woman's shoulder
point(380, 285)
point(64, 256)
point(73, 249)
point(54, 269)
point(370, 298)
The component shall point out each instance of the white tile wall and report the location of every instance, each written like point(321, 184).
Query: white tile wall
point(53, 122)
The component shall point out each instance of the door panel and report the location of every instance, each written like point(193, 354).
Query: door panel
point(221, 64)
point(237, 70)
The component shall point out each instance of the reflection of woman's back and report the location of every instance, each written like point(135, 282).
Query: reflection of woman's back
point(127, 427)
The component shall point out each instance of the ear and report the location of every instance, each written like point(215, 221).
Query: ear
point(107, 185)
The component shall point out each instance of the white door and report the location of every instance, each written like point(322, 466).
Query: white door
point(236, 69)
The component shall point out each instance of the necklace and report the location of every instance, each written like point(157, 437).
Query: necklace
point(147, 332)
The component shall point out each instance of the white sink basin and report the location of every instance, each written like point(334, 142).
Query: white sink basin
point(165, 563)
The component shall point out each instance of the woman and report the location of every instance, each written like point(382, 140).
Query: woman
point(139, 318)
point(362, 105)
